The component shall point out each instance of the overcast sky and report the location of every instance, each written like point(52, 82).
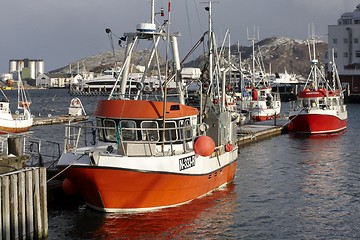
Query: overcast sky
point(63, 31)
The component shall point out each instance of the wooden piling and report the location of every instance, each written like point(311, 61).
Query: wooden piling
point(15, 146)
point(23, 204)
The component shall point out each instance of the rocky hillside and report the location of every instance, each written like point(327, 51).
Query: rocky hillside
point(279, 53)
point(98, 63)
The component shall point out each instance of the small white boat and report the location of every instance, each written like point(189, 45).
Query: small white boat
point(22, 120)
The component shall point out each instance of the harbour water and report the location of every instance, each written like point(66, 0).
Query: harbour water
point(286, 187)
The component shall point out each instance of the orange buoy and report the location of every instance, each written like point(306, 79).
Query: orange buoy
point(68, 187)
point(204, 146)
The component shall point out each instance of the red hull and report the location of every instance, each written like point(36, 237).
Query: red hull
point(317, 124)
point(263, 118)
point(110, 189)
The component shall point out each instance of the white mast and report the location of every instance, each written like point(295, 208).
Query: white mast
point(253, 39)
point(152, 11)
point(210, 49)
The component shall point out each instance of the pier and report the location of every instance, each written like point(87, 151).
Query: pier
point(257, 131)
point(39, 121)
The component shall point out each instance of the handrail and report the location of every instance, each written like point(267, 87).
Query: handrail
point(74, 139)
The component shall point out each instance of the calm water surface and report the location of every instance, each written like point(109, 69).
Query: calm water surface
point(286, 187)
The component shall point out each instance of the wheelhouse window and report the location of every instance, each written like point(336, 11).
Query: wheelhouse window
point(335, 102)
point(110, 130)
point(313, 103)
point(150, 131)
point(100, 130)
point(170, 131)
point(128, 130)
point(322, 103)
point(305, 103)
point(185, 129)
point(262, 94)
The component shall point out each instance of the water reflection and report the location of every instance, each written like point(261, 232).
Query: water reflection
point(201, 218)
point(324, 170)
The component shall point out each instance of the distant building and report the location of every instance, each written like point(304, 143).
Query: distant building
point(344, 38)
point(53, 80)
point(29, 68)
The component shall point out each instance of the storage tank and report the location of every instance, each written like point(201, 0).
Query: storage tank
point(40, 67)
point(12, 65)
point(32, 67)
point(20, 65)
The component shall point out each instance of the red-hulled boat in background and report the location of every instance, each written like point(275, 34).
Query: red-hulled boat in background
point(148, 154)
point(319, 108)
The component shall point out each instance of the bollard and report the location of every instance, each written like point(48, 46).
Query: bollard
point(274, 118)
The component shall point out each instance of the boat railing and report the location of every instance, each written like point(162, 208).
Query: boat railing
point(29, 151)
point(130, 140)
point(79, 135)
point(170, 141)
point(42, 153)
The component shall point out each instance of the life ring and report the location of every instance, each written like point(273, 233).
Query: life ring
point(75, 102)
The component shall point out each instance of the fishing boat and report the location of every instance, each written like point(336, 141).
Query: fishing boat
point(319, 108)
point(146, 154)
point(22, 120)
point(258, 97)
point(262, 102)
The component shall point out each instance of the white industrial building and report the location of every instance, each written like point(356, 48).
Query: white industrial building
point(35, 66)
point(344, 38)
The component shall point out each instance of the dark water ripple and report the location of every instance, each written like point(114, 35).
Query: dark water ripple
point(286, 187)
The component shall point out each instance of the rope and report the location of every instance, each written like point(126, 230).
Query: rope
point(293, 117)
point(194, 48)
point(56, 175)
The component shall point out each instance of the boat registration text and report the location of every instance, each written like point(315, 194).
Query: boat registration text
point(187, 162)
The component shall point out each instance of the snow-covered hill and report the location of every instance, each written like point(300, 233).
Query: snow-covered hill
point(278, 52)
